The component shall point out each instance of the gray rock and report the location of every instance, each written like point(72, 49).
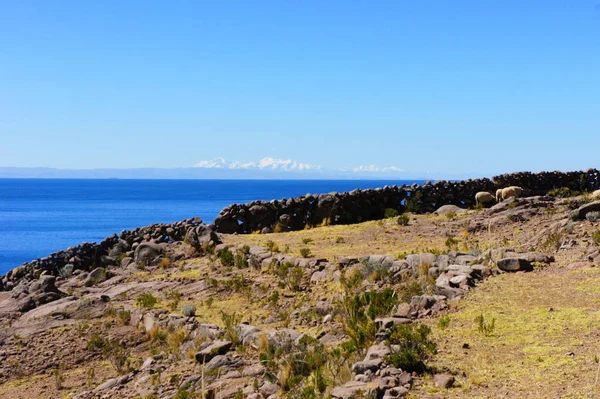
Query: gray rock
point(350, 390)
point(514, 265)
point(585, 209)
point(362, 367)
point(215, 348)
point(443, 381)
point(148, 252)
point(96, 276)
point(445, 209)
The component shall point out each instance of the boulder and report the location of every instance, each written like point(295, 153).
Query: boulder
point(446, 209)
point(96, 276)
point(514, 265)
point(350, 390)
point(215, 348)
point(148, 252)
point(443, 381)
point(583, 210)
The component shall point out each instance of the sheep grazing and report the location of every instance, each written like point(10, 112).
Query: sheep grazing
point(512, 191)
point(499, 195)
point(483, 198)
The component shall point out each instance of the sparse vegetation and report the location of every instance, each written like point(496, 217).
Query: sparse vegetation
point(226, 257)
point(390, 213)
point(403, 220)
point(305, 252)
point(147, 300)
point(485, 327)
point(412, 347)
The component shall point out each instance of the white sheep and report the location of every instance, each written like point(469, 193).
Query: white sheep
point(499, 195)
point(595, 195)
point(483, 197)
point(512, 191)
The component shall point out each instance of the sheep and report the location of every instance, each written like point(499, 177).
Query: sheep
point(596, 195)
point(512, 191)
point(483, 198)
point(499, 195)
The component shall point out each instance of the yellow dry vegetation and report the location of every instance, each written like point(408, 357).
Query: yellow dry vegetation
point(545, 343)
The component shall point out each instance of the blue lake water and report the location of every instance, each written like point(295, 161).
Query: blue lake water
point(41, 216)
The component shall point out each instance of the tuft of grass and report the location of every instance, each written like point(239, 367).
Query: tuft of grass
point(444, 322)
point(226, 257)
point(485, 327)
point(403, 220)
point(390, 213)
point(305, 252)
point(146, 300)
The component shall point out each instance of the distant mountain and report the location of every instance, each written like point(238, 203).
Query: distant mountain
point(266, 168)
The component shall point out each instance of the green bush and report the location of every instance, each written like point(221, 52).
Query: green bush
point(307, 241)
point(146, 300)
point(240, 260)
point(290, 275)
point(305, 252)
point(403, 220)
point(444, 322)
point(414, 347)
point(596, 237)
point(227, 259)
point(390, 213)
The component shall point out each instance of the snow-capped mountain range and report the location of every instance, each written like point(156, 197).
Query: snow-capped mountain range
point(288, 165)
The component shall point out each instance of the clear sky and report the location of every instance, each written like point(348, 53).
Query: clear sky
point(438, 86)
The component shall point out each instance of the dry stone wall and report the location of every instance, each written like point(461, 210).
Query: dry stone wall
point(362, 205)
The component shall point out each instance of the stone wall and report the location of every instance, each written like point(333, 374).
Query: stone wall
point(362, 205)
point(87, 256)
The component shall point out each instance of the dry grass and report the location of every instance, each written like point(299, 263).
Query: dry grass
point(545, 344)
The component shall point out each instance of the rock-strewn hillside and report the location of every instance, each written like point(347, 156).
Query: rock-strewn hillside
point(379, 309)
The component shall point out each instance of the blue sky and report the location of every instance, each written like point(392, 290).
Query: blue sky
point(436, 86)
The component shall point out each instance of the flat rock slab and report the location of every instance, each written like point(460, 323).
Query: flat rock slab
point(514, 265)
point(217, 347)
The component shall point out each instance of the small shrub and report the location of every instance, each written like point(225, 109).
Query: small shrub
point(290, 275)
point(165, 263)
point(59, 378)
point(305, 252)
point(414, 347)
point(563, 192)
point(272, 246)
point(240, 260)
point(553, 241)
point(95, 342)
point(596, 237)
point(390, 213)
point(339, 240)
point(403, 220)
point(146, 300)
point(451, 243)
point(451, 215)
point(118, 356)
point(412, 205)
point(444, 322)
point(226, 257)
point(274, 297)
point(230, 322)
point(307, 241)
point(124, 316)
point(484, 327)
point(189, 311)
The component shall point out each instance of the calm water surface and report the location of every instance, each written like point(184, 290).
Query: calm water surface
point(41, 216)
